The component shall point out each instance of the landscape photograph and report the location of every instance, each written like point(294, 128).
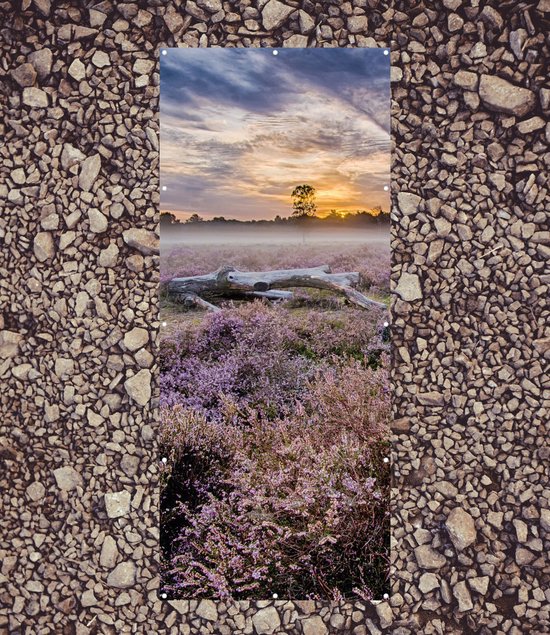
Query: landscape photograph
point(274, 354)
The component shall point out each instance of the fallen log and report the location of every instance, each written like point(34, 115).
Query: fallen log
point(230, 283)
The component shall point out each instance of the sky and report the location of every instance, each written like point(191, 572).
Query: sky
point(240, 128)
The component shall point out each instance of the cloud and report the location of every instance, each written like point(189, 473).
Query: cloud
point(240, 128)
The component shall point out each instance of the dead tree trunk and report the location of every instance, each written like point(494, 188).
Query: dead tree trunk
point(227, 282)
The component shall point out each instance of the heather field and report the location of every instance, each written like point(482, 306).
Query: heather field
point(274, 421)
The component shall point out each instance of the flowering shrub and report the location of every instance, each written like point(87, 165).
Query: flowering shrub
point(274, 421)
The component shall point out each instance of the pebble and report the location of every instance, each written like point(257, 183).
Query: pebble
point(71, 156)
point(108, 257)
point(100, 59)
point(117, 504)
point(274, 14)
point(138, 387)
point(35, 97)
point(462, 595)
point(143, 240)
point(266, 621)
point(98, 221)
point(42, 62)
point(109, 553)
point(429, 558)
point(36, 491)
point(89, 171)
point(136, 338)
point(67, 478)
point(428, 582)
point(461, 528)
point(502, 96)
point(77, 70)
point(44, 246)
point(408, 202)
point(207, 610)
point(123, 576)
point(408, 287)
point(24, 75)
point(9, 343)
point(358, 24)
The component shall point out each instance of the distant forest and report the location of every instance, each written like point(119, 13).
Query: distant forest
point(371, 218)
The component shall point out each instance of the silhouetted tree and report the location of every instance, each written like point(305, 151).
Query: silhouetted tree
point(303, 201)
point(194, 218)
point(167, 218)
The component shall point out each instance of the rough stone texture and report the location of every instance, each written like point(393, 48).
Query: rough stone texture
point(461, 528)
point(503, 96)
point(476, 343)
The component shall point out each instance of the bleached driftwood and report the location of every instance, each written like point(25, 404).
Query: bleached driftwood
point(228, 282)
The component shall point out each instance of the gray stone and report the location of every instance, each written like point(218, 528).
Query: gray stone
point(143, 240)
point(44, 246)
point(88, 598)
point(77, 70)
point(42, 62)
point(143, 67)
point(213, 6)
point(138, 387)
point(274, 14)
point(502, 96)
point(108, 257)
point(466, 79)
point(314, 625)
point(67, 478)
point(35, 97)
point(109, 553)
point(461, 593)
point(461, 528)
point(129, 464)
point(266, 621)
point(295, 41)
point(136, 339)
point(24, 75)
point(9, 343)
point(429, 558)
point(531, 125)
point(98, 222)
point(44, 6)
point(123, 575)
point(358, 24)
point(71, 156)
point(524, 556)
point(207, 610)
point(89, 171)
point(385, 615)
point(479, 585)
point(100, 59)
point(36, 491)
point(117, 504)
point(337, 621)
point(428, 582)
point(408, 288)
point(408, 203)
point(492, 18)
point(307, 23)
point(431, 398)
point(454, 22)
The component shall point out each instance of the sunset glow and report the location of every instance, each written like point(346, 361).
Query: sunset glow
point(240, 129)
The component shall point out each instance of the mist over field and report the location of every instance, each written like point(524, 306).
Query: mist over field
point(251, 235)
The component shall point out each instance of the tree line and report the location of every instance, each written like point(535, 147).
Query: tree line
point(304, 209)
